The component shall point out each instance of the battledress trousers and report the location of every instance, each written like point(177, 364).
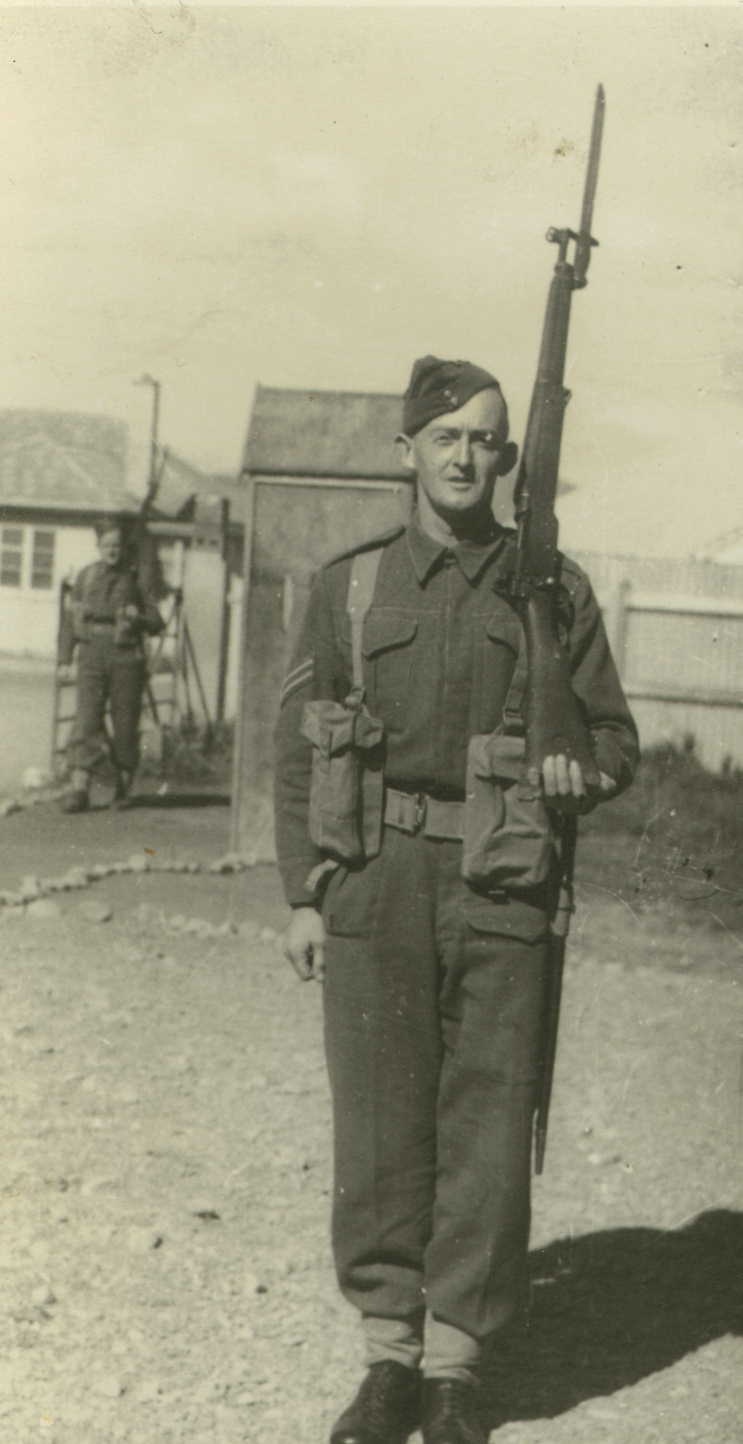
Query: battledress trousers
point(107, 675)
point(434, 990)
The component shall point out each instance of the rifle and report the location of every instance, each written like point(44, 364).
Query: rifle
point(551, 712)
point(552, 717)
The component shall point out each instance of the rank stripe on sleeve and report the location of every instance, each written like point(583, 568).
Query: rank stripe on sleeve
point(298, 677)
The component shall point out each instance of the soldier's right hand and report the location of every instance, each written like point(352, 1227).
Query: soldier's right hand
point(304, 944)
point(65, 671)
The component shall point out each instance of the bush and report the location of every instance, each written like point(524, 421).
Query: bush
point(676, 833)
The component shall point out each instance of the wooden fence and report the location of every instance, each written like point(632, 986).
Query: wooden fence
point(676, 631)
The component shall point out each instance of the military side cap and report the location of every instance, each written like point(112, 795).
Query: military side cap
point(437, 386)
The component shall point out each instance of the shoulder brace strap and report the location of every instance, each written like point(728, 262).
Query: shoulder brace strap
point(364, 568)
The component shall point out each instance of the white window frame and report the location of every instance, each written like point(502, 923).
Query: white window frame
point(29, 557)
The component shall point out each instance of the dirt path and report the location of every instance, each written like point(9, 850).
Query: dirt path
point(166, 1272)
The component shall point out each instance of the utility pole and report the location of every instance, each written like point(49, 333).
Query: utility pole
point(147, 380)
point(145, 544)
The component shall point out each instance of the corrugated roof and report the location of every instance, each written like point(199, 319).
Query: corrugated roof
point(70, 461)
point(324, 433)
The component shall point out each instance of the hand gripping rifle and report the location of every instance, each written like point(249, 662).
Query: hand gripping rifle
point(552, 716)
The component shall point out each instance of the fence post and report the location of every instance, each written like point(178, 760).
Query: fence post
point(617, 623)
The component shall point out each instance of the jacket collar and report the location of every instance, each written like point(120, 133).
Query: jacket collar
point(471, 556)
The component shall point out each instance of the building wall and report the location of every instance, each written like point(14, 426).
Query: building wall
point(29, 613)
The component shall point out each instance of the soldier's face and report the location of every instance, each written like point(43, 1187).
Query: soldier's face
point(110, 547)
point(458, 457)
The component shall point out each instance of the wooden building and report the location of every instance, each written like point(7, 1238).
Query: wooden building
point(320, 472)
point(60, 474)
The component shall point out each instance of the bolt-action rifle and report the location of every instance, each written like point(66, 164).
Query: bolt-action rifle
point(552, 715)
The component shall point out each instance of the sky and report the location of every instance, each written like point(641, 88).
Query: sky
point(311, 197)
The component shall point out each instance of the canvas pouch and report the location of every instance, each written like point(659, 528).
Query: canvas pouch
point(347, 785)
point(347, 781)
point(509, 840)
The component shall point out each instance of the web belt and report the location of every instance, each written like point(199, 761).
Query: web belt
point(415, 812)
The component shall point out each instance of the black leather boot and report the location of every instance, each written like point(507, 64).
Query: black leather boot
point(385, 1410)
point(450, 1413)
point(76, 801)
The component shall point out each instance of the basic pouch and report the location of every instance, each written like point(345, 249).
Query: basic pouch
point(347, 784)
point(509, 840)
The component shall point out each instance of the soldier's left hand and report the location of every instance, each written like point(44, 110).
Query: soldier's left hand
point(564, 786)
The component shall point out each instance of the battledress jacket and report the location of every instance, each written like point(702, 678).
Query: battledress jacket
point(442, 646)
point(98, 594)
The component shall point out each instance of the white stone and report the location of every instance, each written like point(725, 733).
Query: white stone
point(43, 1295)
point(35, 777)
point(138, 862)
point(111, 1386)
point(42, 909)
point(95, 911)
point(76, 877)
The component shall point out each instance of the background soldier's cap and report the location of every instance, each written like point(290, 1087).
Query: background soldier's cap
point(437, 386)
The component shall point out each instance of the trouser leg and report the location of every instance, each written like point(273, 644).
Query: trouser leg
point(88, 746)
point(127, 683)
point(383, 1050)
point(432, 1038)
point(491, 1009)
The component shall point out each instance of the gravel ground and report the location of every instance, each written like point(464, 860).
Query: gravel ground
point(166, 1176)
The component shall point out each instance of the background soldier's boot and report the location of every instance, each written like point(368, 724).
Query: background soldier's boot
point(77, 799)
point(123, 788)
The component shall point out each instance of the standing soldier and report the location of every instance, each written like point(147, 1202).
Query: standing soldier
point(108, 613)
point(411, 658)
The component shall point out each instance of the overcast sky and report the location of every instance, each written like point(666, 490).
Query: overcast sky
point(312, 197)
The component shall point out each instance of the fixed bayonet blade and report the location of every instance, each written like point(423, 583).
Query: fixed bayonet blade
point(585, 240)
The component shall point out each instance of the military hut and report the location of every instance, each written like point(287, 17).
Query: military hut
point(321, 472)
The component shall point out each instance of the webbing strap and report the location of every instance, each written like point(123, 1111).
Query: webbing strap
point(364, 568)
point(513, 707)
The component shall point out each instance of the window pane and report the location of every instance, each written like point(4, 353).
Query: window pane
point(11, 556)
point(10, 571)
point(42, 560)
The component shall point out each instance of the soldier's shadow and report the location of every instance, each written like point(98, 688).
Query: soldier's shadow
point(168, 800)
point(609, 1308)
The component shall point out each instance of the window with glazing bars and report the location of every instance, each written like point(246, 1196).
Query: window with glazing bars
point(11, 556)
point(42, 560)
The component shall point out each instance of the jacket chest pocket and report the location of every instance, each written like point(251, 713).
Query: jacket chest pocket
point(502, 656)
point(389, 657)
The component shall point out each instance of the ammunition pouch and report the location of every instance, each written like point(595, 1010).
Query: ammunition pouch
point(126, 629)
point(347, 784)
point(509, 839)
